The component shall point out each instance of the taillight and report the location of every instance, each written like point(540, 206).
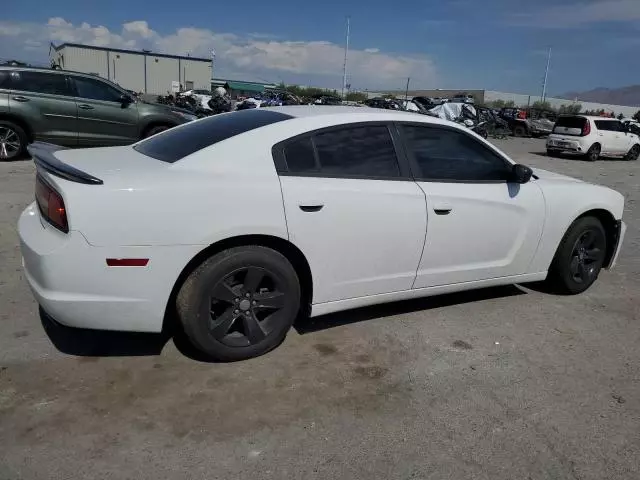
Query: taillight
point(586, 130)
point(51, 205)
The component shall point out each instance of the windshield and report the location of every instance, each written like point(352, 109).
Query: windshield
point(177, 143)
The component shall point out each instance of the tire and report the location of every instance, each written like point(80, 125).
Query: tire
point(633, 154)
point(519, 131)
point(13, 141)
point(579, 258)
point(154, 130)
point(239, 303)
point(593, 153)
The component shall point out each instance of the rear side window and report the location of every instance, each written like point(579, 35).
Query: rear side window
point(4, 79)
point(569, 125)
point(40, 82)
point(608, 125)
point(92, 89)
point(359, 151)
point(175, 144)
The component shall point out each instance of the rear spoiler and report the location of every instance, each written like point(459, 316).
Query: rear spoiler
point(44, 158)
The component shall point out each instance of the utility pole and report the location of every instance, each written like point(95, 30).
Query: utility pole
point(406, 93)
point(546, 75)
point(346, 52)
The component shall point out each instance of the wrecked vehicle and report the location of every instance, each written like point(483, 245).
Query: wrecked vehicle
point(529, 122)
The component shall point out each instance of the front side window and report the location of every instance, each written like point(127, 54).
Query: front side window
point(39, 82)
point(440, 154)
point(96, 90)
point(358, 151)
point(608, 126)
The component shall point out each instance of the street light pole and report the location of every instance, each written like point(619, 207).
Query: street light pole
point(346, 51)
point(546, 75)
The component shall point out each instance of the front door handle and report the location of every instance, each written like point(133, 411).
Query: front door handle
point(311, 208)
point(20, 98)
point(84, 106)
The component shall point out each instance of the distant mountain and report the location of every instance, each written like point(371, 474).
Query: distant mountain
point(628, 96)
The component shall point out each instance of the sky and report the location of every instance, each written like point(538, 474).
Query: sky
point(459, 44)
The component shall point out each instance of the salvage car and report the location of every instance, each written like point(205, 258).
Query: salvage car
point(241, 223)
point(74, 109)
point(528, 122)
point(593, 137)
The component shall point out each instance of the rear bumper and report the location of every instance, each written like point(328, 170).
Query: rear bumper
point(71, 281)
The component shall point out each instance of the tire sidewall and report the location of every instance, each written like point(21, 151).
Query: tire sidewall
point(560, 271)
point(194, 297)
point(591, 151)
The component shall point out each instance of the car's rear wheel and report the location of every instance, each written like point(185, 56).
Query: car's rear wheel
point(154, 130)
point(519, 131)
point(634, 153)
point(593, 153)
point(579, 257)
point(13, 141)
point(239, 303)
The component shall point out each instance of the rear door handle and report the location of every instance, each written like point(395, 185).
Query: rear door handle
point(442, 208)
point(20, 98)
point(311, 208)
point(84, 106)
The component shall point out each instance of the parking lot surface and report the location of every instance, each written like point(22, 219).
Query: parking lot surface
point(504, 383)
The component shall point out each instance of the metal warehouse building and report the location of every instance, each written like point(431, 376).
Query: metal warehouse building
point(140, 71)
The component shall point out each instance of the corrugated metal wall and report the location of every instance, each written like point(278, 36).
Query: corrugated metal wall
point(128, 69)
point(160, 73)
point(197, 72)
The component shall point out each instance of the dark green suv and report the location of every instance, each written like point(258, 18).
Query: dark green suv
point(74, 109)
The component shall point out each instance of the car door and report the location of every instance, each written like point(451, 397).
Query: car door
point(479, 226)
point(353, 210)
point(103, 118)
point(624, 139)
point(44, 100)
point(609, 137)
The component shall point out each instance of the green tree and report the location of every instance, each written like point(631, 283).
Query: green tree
point(636, 116)
point(356, 96)
point(620, 116)
point(542, 105)
point(572, 109)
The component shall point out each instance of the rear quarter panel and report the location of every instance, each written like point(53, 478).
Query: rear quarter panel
point(231, 189)
point(567, 200)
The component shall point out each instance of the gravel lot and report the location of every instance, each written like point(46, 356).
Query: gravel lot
point(504, 383)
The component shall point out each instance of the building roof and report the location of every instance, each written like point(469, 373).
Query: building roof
point(220, 82)
point(134, 52)
point(246, 86)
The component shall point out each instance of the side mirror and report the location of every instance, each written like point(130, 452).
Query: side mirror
point(520, 174)
point(125, 99)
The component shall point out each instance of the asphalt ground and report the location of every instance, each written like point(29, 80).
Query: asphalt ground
point(503, 383)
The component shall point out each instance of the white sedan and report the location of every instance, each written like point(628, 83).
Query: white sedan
point(238, 224)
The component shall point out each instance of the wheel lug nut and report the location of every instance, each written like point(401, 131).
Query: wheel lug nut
point(237, 300)
point(236, 311)
point(254, 302)
point(247, 295)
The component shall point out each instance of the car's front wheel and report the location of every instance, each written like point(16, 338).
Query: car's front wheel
point(634, 153)
point(239, 303)
point(579, 257)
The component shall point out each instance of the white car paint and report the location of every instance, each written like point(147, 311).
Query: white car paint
point(571, 141)
point(373, 241)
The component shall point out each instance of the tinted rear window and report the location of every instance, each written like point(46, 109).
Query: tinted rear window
point(569, 125)
point(178, 143)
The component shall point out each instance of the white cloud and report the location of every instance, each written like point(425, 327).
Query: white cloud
point(579, 14)
point(252, 55)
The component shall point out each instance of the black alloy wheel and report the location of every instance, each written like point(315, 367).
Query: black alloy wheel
point(634, 153)
point(579, 258)
point(245, 306)
point(587, 256)
point(239, 303)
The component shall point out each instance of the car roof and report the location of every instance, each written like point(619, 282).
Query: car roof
point(352, 113)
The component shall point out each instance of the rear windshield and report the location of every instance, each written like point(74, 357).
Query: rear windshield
point(178, 143)
point(569, 125)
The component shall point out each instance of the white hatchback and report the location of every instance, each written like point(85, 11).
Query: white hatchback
point(592, 137)
point(237, 224)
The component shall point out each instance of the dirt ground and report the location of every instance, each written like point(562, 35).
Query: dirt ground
point(505, 383)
